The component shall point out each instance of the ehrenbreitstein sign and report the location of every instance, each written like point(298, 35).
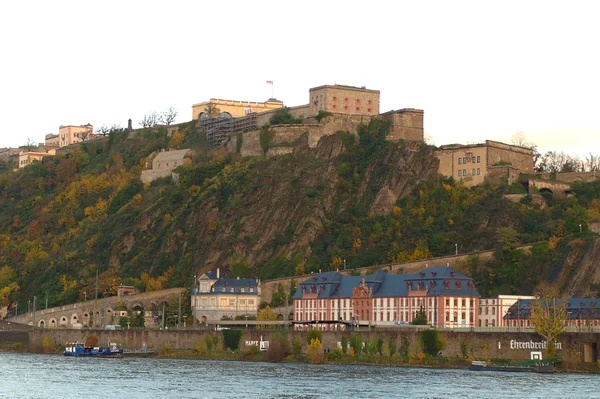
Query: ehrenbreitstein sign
point(531, 345)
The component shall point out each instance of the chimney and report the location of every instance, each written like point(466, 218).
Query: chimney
point(218, 273)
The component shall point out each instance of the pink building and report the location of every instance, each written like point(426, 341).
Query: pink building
point(447, 297)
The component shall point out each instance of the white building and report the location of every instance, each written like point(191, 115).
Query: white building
point(493, 310)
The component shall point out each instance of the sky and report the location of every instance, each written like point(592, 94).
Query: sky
point(479, 69)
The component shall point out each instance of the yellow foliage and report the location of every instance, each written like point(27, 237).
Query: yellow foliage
point(167, 218)
point(553, 242)
point(137, 199)
point(176, 140)
point(450, 222)
point(594, 208)
point(336, 262)
point(193, 190)
point(299, 271)
point(315, 351)
point(357, 243)
point(157, 283)
point(397, 211)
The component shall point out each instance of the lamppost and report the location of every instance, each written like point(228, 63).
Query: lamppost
point(455, 249)
point(193, 303)
point(580, 228)
point(84, 296)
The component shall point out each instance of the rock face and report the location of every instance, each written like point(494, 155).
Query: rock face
point(279, 206)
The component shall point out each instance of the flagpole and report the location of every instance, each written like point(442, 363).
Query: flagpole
point(273, 89)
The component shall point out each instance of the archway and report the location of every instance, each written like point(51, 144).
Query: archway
point(280, 317)
point(224, 115)
point(42, 324)
point(63, 321)
point(52, 323)
point(546, 192)
point(74, 318)
point(203, 319)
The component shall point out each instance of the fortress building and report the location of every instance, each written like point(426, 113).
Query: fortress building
point(348, 106)
point(473, 163)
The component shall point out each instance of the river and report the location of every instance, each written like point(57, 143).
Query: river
point(49, 376)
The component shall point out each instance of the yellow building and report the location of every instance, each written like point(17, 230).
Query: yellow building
point(28, 157)
point(233, 109)
point(71, 134)
point(217, 298)
point(343, 100)
point(473, 163)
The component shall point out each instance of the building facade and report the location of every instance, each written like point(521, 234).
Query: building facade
point(492, 159)
point(217, 298)
point(448, 299)
point(71, 134)
point(232, 108)
point(344, 100)
point(28, 157)
point(492, 311)
point(52, 140)
point(164, 163)
point(580, 312)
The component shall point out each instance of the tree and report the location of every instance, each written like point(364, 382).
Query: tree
point(167, 117)
point(103, 130)
point(149, 120)
point(30, 144)
point(549, 315)
point(266, 315)
point(520, 139)
point(420, 318)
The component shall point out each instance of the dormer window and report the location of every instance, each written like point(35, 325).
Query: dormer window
point(242, 289)
point(223, 289)
point(204, 286)
point(251, 289)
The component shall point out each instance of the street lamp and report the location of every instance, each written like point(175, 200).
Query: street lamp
point(580, 228)
point(455, 249)
point(84, 296)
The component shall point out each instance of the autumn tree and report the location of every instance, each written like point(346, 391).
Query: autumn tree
point(266, 314)
point(167, 117)
point(211, 110)
point(549, 315)
point(150, 119)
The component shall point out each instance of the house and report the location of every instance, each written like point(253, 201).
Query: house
point(71, 134)
point(164, 163)
point(28, 157)
point(217, 298)
point(329, 300)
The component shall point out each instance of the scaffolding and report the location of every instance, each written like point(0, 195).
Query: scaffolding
point(218, 129)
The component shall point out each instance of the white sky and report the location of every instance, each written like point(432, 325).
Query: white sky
point(480, 69)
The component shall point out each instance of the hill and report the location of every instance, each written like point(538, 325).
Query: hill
point(359, 199)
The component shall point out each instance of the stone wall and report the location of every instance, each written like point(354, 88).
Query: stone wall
point(486, 345)
point(519, 157)
point(406, 124)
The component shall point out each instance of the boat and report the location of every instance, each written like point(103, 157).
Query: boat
point(79, 349)
point(478, 365)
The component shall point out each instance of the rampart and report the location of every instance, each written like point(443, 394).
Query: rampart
point(101, 312)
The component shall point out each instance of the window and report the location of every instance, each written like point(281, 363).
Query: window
point(223, 302)
point(357, 109)
point(473, 159)
point(493, 310)
point(242, 289)
point(346, 99)
point(370, 102)
point(369, 110)
point(447, 302)
point(486, 310)
point(334, 98)
point(464, 172)
point(345, 108)
point(232, 302)
point(251, 289)
point(459, 161)
point(250, 301)
point(447, 316)
point(357, 102)
point(204, 301)
point(459, 173)
point(464, 303)
point(464, 160)
point(455, 302)
point(478, 159)
point(213, 301)
point(478, 171)
point(334, 107)
point(204, 287)
point(473, 172)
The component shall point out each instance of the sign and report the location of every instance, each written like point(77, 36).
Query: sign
point(531, 345)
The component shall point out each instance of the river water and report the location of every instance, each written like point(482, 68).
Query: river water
point(45, 376)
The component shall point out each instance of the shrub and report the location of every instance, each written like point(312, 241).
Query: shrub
point(91, 341)
point(209, 342)
point(231, 339)
point(47, 345)
point(335, 354)
point(165, 349)
point(315, 351)
point(200, 347)
point(379, 345)
point(313, 334)
point(297, 347)
point(431, 342)
point(279, 348)
point(356, 343)
point(322, 114)
point(344, 345)
point(404, 346)
point(391, 346)
point(283, 117)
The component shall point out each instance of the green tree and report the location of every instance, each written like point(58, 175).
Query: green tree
point(420, 318)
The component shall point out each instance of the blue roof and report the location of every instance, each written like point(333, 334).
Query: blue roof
point(584, 308)
point(435, 281)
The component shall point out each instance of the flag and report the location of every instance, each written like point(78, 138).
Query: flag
point(269, 82)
